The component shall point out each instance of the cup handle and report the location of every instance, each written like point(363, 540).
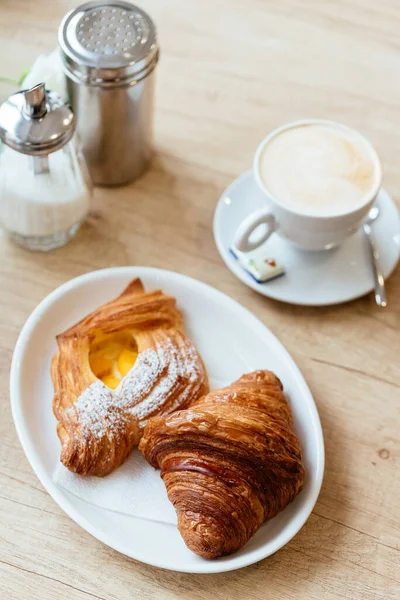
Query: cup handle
point(244, 231)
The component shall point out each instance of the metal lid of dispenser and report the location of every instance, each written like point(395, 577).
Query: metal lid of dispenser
point(108, 43)
point(36, 121)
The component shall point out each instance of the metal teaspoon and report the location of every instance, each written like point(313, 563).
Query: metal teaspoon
point(379, 281)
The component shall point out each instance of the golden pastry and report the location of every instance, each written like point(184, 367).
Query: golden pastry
point(124, 363)
point(229, 462)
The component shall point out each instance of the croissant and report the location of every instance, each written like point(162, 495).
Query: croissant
point(229, 462)
point(124, 363)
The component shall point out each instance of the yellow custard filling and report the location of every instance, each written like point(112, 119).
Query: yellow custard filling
point(112, 356)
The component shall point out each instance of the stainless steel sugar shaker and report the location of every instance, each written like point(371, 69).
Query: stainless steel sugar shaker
point(109, 50)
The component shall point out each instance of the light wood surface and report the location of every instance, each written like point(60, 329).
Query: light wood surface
point(230, 71)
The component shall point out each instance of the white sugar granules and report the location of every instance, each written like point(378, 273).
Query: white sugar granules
point(44, 204)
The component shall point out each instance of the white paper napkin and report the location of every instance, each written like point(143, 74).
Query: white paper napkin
point(135, 488)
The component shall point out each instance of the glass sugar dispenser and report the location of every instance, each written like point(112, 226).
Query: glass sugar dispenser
point(45, 186)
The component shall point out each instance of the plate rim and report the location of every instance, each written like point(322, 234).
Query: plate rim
point(230, 563)
point(263, 290)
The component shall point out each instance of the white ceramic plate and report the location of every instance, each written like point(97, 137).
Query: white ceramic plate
point(312, 278)
point(231, 340)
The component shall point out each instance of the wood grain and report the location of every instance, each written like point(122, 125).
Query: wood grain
point(230, 72)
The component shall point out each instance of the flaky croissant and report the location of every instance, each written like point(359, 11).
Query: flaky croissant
point(124, 363)
point(229, 462)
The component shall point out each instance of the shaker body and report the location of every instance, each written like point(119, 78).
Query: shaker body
point(109, 52)
point(115, 128)
point(42, 209)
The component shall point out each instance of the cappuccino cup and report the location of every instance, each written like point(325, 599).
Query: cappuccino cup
point(319, 180)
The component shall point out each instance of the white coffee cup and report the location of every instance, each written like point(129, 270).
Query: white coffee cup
point(308, 229)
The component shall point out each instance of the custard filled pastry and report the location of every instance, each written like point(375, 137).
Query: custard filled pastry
point(125, 362)
point(229, 462)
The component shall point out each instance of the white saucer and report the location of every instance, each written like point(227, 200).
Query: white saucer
point(312, 278)
point(228, 352)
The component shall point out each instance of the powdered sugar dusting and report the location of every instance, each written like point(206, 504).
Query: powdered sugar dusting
point(161, 381)
point(95, 410)
point(150, 366)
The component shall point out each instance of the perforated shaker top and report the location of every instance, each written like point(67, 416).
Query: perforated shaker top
point(108, 39)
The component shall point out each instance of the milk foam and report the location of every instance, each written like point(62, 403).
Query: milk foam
point(318, 169)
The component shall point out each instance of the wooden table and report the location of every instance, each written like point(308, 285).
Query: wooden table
point(230, 72)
